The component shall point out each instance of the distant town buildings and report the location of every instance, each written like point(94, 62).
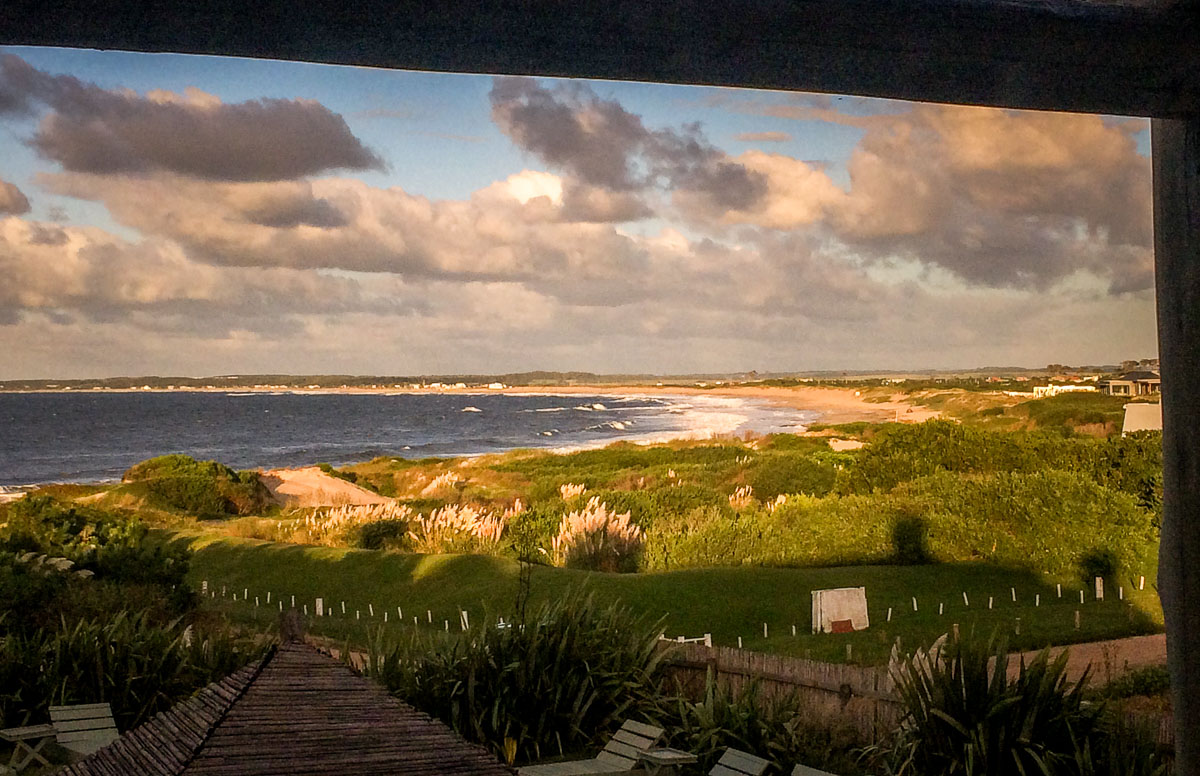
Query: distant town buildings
point(1042, 391)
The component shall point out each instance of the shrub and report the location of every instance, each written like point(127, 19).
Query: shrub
point(206, 489)
point(772, 475)
point(124, 659)
point(910, 538)
point(350, 477)
point(1047, 521)
point(1101, 562)
point(555, 684)
point(778, 728)
point(962, 715)
point(113, 547)
point(383, 534)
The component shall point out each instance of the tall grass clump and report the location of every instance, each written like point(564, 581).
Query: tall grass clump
point(562, 680)
point(338, 526)
point(598, 539)
point(127, 660)
point(775, 727)
point(963, 715)
point(458, 528)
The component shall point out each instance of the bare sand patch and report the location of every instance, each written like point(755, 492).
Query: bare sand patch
point(311, 487)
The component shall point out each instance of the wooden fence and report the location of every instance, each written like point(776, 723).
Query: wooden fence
point(859, 697)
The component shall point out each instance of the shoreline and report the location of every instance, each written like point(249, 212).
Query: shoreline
point(835, 405)
point(830, 406)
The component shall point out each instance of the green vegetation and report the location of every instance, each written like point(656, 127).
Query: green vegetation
point(92, 608)
point(561, 680)
point(546, 685)
point(729, 603)
point(963, 715)
point(205, 489)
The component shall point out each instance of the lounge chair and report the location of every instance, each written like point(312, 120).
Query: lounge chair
point(80, 730)
point(735, 762)
point(84, 729)
point(619, 756)
point(804, 770)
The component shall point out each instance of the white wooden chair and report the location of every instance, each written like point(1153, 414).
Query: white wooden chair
point(735, 762)
point(619, 756)
point(80, 730)
point(83, 729)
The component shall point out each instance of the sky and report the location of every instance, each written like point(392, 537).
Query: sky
point(185, 215)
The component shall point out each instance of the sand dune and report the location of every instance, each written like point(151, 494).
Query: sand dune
point(311, 487)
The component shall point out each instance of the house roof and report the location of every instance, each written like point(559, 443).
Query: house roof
point(1140, 375)
point(297, 712)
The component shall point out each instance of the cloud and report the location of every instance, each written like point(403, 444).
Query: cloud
point(84, 273)
point(95, 130)
point(763, 137)
point(995, 198)
point(603, 145)
point(797, 194)
point(12, 200)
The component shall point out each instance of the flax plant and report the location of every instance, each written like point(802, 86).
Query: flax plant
point(554, 685)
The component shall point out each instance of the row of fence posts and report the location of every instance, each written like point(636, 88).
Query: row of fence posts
point(321, 610)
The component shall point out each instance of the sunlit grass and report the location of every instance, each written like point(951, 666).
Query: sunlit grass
point(727, 602)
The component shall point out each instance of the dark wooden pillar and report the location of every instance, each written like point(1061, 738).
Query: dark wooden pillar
point(1176, 145)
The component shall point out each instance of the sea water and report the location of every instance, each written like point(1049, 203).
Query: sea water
point(96, 436)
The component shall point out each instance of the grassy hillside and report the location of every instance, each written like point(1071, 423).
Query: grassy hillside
point(727, 602)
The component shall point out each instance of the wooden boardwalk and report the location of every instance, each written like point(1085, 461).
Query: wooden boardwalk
point(297, 713)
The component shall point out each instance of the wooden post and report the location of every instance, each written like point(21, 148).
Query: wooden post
point(1176, 147)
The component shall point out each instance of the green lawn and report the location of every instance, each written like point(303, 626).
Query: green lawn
point(727, 602)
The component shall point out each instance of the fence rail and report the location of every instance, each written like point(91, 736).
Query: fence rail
point(859, 697)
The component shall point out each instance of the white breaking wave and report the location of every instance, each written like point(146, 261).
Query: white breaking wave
point(470, 409)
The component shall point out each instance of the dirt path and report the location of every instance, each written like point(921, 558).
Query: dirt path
point(1109, 659)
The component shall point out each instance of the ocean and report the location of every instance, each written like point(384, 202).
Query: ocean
point(94, 437)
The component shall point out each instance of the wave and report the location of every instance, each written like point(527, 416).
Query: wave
point(470, 409)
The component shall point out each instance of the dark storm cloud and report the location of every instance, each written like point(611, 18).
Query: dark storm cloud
point(12, 200)
point(598, 141)
point(90, 129)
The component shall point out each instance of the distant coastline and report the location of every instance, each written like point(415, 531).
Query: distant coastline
point(835, 405)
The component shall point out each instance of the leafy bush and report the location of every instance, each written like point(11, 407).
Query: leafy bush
point(112, 546)
point(910, 538)
point(124, 659)
point(1046, 521)
point(777, 728)
point(384, 534)
point(776, 474)
point(1068, 410)
point(1151, 680)
point(962, 715)
point(555, 684)
point(206, 489)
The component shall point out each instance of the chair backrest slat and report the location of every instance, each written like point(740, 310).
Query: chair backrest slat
point(85, 728)
point(804, 770)
point(738, 762)
point(642, 729)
